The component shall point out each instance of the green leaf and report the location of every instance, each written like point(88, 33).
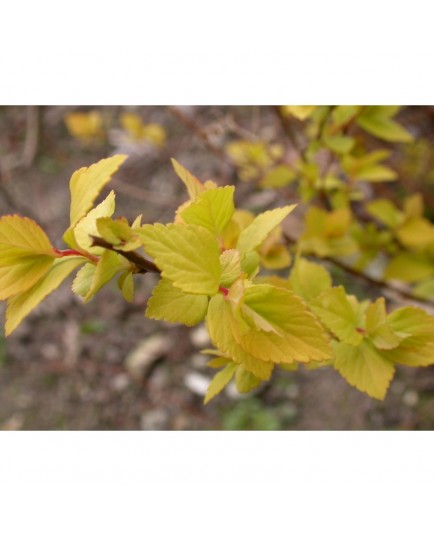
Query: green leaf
point(220, 321)
point(26, 255)
point(219, 382)
point(118, 233)
point(300, 112)
point(417, 351)
point(87, 182)
point(278, 177)
point(376, 120)
point(231, 267)
point(337, 313)
point(416, 233)
point(309, 279)
point(20, 305)
point(193, 184)
point(188, 255)
point(409, 267)
point(410, 321)
point(253, 235)
point(425, 289)
point(126, 285)
point(378, 328)
point(364, 367)
point(376, 173)
point(343, 114)
point(245, 380)
point(212, 209)
point(340, 144)
point(108, 266)
point(300, 336)
point(172, 305)
point(385, 212)
point(87, 226)
point(83, 280)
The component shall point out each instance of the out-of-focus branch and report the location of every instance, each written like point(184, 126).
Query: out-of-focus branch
point(383, 285)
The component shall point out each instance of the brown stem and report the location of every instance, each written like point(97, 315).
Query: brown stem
point(143, 265)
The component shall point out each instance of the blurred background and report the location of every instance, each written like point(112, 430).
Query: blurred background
point(103, 365)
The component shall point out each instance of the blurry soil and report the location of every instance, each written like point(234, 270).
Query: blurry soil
point(103, 365)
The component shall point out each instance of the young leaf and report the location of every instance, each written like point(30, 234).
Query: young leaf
point(109, 265)
point(87, 226)
point(126, 284)
point(188, 255)
point(253, 235)
point(85, 185)
point(193, 184)
point(219, 382)
point(219, 321)
point(409, 267)
point(364, 367)
point(309, 279)
point(301, 337)
point(26, 255)
point(378, 328)
point(300, 112)
point(172, 305)
point(83, 280)
point(376, 120)
point(336, 312)
point(245, 380)
point(231, 267)
point(212, 209)
point(20, 305)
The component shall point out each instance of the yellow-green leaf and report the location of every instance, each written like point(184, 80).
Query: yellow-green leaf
point(300, 112)
point(87, 226)
point(20, 305)
point(85, 185)
point(188, 255)
point(231, 267)
point(126, 284)
point(385, 211)
point(416, 233)
point(278, 177)
point(109, 265)
point(364, 367)
point(245, 380)
point(409, 267)
point(253, 235)
point(376, 120)
point(193, 184)
point(211, 209)
point(336, 312)
point(220, 320)
point(378, 328)
point(26, 255)
point(172, 305)
point(309, 279)
point(302, 336)
point(83, 280)
point(219, 382)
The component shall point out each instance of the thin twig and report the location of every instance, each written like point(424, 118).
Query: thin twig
point(383, 285)
point(31, 141)
point(143, 265)
point(192, 125)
